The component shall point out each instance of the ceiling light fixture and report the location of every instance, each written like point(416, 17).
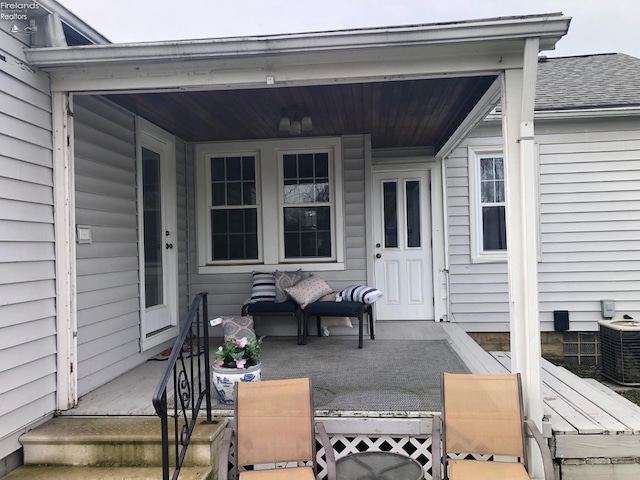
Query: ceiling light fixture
point(295, 121)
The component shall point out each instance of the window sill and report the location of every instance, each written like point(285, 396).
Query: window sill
point(489, 258)
point(307, 267)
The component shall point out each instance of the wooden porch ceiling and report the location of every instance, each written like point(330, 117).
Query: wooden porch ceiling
point(405, 113)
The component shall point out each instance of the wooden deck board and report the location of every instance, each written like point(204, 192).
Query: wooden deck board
point(477, 359)
point(564, 418)
point(617, 406)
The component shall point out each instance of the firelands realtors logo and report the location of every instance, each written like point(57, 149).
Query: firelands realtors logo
point(19, 17)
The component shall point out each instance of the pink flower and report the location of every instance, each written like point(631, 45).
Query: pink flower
point(220, 348)
point(240, 363)
point(219, 364)
point(243, 342)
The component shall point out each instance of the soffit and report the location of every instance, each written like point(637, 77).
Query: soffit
point(404, 113)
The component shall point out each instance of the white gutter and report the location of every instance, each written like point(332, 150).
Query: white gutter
point(577, 113)
point(548, 27)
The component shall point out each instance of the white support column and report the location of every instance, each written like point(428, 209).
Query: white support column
point(522, 234)
point(65, 251)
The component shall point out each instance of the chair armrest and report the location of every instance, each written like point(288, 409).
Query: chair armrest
point(223, 459)
point(547, 461)
point(328, 451)
point(436, 454)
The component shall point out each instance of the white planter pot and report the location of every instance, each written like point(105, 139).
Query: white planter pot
point(225, 379)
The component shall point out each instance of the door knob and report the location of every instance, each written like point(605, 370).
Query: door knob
point(378, 255)
point(168, 246)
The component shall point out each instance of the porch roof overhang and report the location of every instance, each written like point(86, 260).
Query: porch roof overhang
point(501, 47)
point(411, 86)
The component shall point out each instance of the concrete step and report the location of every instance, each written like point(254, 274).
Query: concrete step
point(115, 441)
point(65, 472)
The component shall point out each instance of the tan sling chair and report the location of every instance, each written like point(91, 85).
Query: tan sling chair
point(275, 424)
point(483, 414)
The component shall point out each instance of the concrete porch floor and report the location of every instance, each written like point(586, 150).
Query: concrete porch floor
point(131, 393)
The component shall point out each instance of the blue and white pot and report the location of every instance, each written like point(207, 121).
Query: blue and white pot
point(224, 379)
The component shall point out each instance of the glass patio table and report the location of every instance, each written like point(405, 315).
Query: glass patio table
point(378, 466)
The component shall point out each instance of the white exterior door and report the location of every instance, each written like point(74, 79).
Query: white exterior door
point(158, 235)
point(402, 245)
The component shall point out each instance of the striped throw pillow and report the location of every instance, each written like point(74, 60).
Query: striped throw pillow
point(264, 287)
point(359, 293)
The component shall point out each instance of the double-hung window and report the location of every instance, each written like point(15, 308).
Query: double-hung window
point(270, 204)
point(487, 204)
point(306, 205)
point(233, 208)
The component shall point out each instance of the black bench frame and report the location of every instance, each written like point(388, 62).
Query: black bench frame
point(297, 314)
point(360, 310)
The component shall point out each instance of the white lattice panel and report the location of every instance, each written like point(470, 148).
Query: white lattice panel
point(418, 448)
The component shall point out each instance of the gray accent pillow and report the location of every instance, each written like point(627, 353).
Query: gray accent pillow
point(285, 280)
point(235, 328)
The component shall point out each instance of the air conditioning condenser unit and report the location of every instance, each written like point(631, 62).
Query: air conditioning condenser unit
point(620, 348)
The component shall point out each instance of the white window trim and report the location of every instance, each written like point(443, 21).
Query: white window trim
point(207, 217)
point(475, 214)
point(269, 176)
point(282, 205)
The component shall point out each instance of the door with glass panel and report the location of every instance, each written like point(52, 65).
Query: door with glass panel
point(402, 245)
point(158, 235)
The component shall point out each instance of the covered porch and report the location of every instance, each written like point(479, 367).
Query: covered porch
point(388, 105)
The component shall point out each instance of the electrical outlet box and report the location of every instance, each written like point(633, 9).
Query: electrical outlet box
point(608, 308)
point(83, 233)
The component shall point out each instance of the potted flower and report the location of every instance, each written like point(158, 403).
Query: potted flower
point(236, 360)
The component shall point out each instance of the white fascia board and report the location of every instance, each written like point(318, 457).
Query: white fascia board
point(292, 70)
point(549, 27)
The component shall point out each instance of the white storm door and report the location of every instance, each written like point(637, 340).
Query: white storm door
point(402, 245)
point(158, 235)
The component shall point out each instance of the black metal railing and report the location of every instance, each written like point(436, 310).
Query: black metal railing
point(189, 372)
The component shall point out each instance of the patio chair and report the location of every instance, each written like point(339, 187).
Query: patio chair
point(275, 424)
point(483, 414)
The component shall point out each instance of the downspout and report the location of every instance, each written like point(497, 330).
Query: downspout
point(188, 156)
point(445, 229)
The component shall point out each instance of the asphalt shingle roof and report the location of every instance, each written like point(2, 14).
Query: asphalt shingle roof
point(590, 81)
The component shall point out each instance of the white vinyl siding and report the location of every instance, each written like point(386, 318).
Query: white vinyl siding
point(589, 174)
point(227, 291)
point(107, 269)
point(27, 267)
